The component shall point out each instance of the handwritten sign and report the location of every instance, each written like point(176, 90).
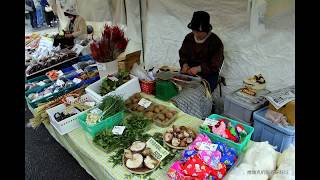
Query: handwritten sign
point(118, 130)
point(157, 150)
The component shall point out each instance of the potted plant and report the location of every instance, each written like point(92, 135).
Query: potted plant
point(106, 50)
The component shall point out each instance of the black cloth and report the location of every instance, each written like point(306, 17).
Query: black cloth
point(64, 42)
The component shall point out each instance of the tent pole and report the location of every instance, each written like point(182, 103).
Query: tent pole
point(141, 32)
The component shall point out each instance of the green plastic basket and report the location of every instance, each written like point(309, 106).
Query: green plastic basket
point(239, 147)
point(107, 123)
point(165, 90)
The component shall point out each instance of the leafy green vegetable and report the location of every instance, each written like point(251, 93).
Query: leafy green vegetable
point(111, 105)
point(108, 85)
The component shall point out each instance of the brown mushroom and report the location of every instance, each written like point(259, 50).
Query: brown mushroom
point(128, 154)
point(170, 130)
point(168, 137)
point(176, 129)
point(150, 162)
point(189, 140)
point(137, 146)
point(135, 162)
point(186, 134)
point(175, 142)
point(180, 136)
point(146, 152)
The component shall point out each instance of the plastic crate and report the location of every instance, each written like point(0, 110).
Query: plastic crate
point(125, 90)
point(69, 124)
point(85, 57)
point(68, 70)
point(38, 88)
point(240, 110)
point(107, 123)
point(275, 134)
point(216, 138)
point(165, 90)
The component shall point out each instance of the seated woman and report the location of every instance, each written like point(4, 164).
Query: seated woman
point(75, 32)
point(201, 52)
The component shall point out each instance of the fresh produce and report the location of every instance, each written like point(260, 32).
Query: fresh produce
point(111, 105)
point(109, 84)
point(70, 111)
point(53, 75)
point(158, 113)
point(40, 114)
point(136, 126)
point(179, 136)
point(34, 84)
point(88, 75)
point(55, 58)
point(136, 160)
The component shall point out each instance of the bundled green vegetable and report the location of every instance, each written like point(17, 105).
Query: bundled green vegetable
point(111, 84)
point(111, 105)
point(136, 126)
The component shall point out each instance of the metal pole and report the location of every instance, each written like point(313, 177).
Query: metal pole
point(141, 32)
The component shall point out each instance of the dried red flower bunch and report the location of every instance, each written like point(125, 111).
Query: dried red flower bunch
point(110, 46)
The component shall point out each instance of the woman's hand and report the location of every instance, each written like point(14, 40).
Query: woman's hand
point(185, 68)
point(68, 36)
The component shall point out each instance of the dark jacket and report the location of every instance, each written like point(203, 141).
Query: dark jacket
point(209, 54)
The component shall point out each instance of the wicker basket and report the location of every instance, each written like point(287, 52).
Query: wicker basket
point(147, 87)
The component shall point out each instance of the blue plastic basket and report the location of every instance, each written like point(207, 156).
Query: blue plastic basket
point(85, 57)
point(275, 134)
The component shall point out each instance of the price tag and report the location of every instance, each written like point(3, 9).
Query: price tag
point(157, 150)
point(101, 67)
point(210, 122)
point(145, 103)
point(91, 104)
point(118, 130)
point(60, 82)
point(207, 146)
point(79, 71)
point(77, 48)
point(112, 78)
point(41, 83)
point(60, 73)
point(76, 80)
point(70, 99)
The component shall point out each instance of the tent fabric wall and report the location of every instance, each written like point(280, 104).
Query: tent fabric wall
point(164, 28)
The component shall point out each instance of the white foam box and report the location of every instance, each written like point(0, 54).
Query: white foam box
point(125, 90)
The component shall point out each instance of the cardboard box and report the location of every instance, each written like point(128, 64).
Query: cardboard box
point(288, 110)
point(126, 62)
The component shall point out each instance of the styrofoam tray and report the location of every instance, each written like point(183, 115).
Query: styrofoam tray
point(69, 124)
point(125, 90)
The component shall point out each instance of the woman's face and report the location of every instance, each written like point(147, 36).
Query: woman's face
point(199, 35)
point(71, 17)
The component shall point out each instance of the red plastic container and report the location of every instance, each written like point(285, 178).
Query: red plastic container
point(147, 87)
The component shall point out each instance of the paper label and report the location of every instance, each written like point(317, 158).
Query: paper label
point(112, 78)
point(101, 67)
point(77, 48)
point(157, 150)
point(60, 73)
point(60, 82)
point(91, 104)
point(210, 122)
point(206, 146)
point(118, 130)
point(41, 83)
point(76, 80)
point(70, 99)
point(145, 103)
point(79, 71)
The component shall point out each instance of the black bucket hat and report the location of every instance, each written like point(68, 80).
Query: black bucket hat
point(200, 22)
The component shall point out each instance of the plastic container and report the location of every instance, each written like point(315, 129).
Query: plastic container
point(238, 109)
point(85, 57)
point(147, 87)
point(108, 123)
point(125, 90)
point(68, 70)
point(69, 124)
point(38, 88)
point(239, 147)
point(275, 134)
point(165, 90)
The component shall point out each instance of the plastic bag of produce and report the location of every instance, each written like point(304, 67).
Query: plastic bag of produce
point(262, 156)
point(138, 71)
point(245, 172)
point(284, 172)
point(287, 156)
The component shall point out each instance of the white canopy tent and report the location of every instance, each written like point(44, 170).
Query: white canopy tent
point(258, 35)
